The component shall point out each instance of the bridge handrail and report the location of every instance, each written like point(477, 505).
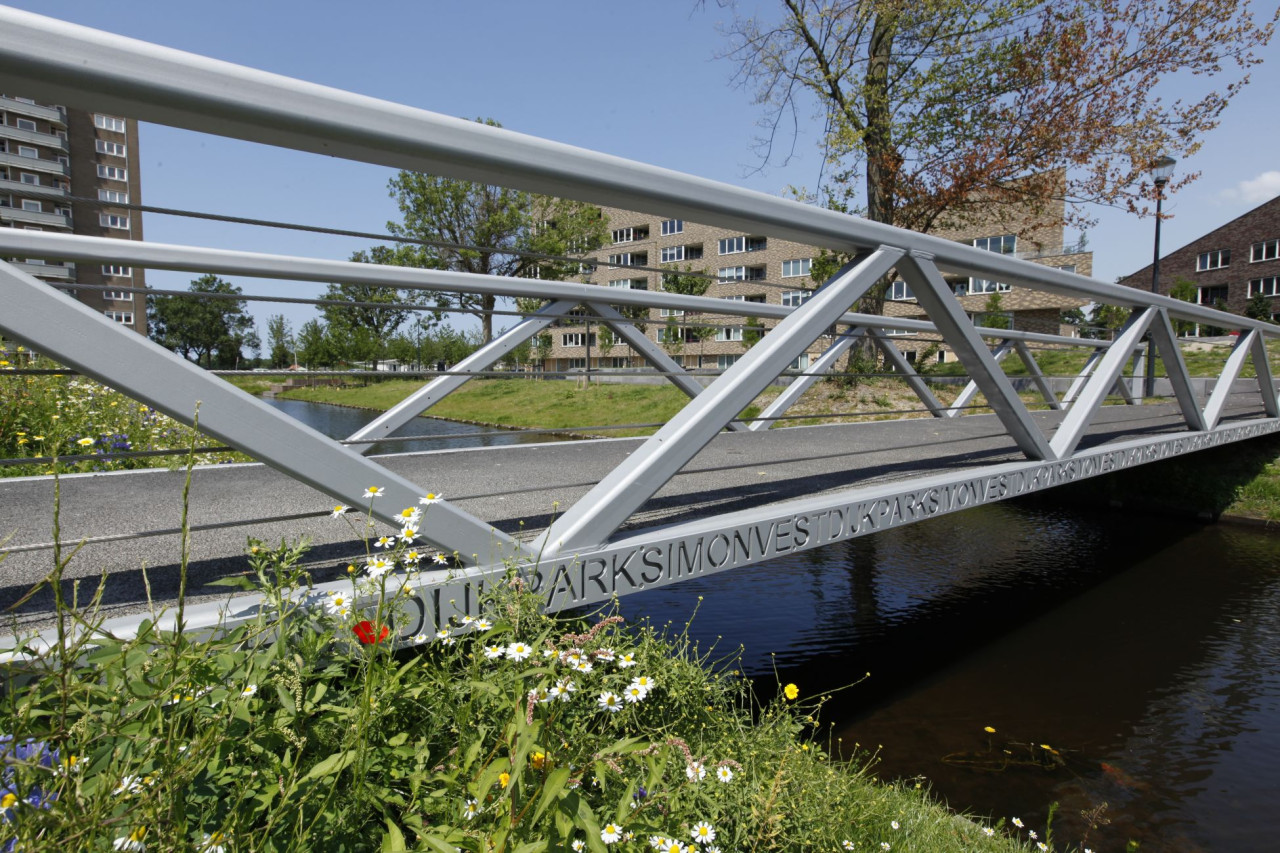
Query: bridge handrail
point(64, 62)
point(236, 262)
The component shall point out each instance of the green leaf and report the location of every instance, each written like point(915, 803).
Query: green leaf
point(396, 740)
point(551, 789)
point(239, 582)
point(531, 847)
point(393, 839)
point(333, 764)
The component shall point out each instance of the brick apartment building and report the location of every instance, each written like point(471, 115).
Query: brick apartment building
point(49, 156)
point(755, 268)
point(1227, 266)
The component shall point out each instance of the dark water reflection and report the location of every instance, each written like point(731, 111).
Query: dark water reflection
point(1145, 651)
point(340, 422)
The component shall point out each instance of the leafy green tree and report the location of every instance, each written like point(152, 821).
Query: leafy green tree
point(1185, 290)
point(1258, 307)
point(752, 332)
point(315, 349)
point(1105, 320)
point(488, 230)
point(993, 313)
point(209, 327)
point(944, 112)
point(279, 341)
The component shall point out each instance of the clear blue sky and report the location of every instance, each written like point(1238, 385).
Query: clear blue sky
point(638, 80)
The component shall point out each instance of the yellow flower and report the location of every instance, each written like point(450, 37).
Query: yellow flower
point(22, 441)
point(989, 730)
point(791, 691)
point(85, 442)
point(503, 779)
point(8, 801)
point(538, 760)
point(37, 438)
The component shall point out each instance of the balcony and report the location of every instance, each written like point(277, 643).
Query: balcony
point(1079, 248)
point(33, 137)
point(21, 217)
point(35, 164)
point(59, 272)
point(13, 105)
point(19, 188)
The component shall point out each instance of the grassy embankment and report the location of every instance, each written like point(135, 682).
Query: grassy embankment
point(519, 732)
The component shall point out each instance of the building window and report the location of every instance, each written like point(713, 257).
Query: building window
point(630, 283)
point(734, 245)
point(1005, 244)
point(111, 220)
point(578, 339)
point(28, 178)
point(1215, 260)
point(795, 298)
point(108, 123)
point(801, 363)
point(1269, 286)
point(125, 317)
point(724, 362)
point(900, 291)
point(113, 196)
point(577, 363)
point(1212, 296)
point(119, 272)
point(670, 312)
point(119, 295)
point(28, 151)
point(729, 333)
point(672, 253)
point(26, 124)
point(1268, 250)
point(741, 274)
point(619, 362)
point(113, 173)
point(627, 235)
point(798, 267)
point(32, 206)
point(983, 285)
point(672, 226)
point(629, 259)
point(115, 149)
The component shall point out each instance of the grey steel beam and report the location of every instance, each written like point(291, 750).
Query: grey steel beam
point(1083, 376)
point(51, 246)
point(54, 323)
point(901, 365)
point(437, 389)
point(597, 514)
point(1130, 390)
point(941, 306)
point(1176, 369)
point(1037, 376)
point(1266, 384)
point(64, 63)
point(1080, 415)
point(970, 390)
point(652, 353)
point(796, 389)
point(1230, 370)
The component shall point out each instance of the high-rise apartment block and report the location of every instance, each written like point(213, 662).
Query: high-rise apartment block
point(52, 157)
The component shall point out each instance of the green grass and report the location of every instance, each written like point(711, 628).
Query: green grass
point(524, 403)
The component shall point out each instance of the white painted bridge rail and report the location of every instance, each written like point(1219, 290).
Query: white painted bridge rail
point(59, 62)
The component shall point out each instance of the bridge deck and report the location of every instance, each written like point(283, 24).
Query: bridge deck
point(513, 488)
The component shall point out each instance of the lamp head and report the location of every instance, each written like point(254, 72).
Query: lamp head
point(1162, 170)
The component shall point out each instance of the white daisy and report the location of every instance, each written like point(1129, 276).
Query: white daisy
point(583, 666)
point(373, 492)
point(431, 498)
point(471, 809)
point(408, 533)
point(483, 624)
point(493, 652)
point(411, 557)
point(724, 774)
point(604, 654)
point(384, 542)
point(440, 560)
point(633, 694)
point(703, 832)
point(377, 567)
point(629, 659)
point(643, 682)
point(410, 515)
point(611, 833)
point(249, 690)
point(338, 603)
point(340, 509)
point(696, 771)
point(518, 651)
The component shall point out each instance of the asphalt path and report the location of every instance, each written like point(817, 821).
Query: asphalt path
point(512, 488)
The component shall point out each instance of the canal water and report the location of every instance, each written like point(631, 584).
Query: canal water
point(1130, 665)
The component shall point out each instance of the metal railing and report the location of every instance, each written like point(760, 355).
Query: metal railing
point(60, 62)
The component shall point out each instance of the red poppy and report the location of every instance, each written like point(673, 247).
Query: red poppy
point(369, 633)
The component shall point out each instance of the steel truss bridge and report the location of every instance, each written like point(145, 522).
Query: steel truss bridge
point(627, 528)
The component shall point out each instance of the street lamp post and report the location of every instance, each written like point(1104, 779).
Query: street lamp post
point(1161, 171)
